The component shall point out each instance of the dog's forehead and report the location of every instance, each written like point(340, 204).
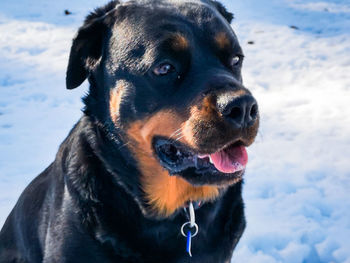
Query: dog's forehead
point(141, 27)
point(149, 17)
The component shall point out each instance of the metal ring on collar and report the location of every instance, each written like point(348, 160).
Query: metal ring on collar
point(189, 223)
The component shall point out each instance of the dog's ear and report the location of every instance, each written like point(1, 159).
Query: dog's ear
point(86, 50)
point(85, 53)
point(223, 11)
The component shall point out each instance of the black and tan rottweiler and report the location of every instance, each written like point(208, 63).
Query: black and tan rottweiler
point(166, 124)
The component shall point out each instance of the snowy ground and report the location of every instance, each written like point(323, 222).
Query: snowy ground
point(298, 179)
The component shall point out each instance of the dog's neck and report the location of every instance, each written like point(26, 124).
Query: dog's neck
point(92, 181)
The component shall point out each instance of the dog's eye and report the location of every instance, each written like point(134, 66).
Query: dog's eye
point(163, 69)
point(236, 60)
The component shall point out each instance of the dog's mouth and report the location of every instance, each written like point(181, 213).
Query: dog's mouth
point(219, 167)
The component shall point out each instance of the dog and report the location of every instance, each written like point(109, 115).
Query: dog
point(153, 170)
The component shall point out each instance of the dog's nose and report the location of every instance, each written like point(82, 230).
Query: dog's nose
point(241, 111)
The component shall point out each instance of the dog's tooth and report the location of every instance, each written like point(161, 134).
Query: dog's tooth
point(238, 166)
point(178, 153)
point(210, 160)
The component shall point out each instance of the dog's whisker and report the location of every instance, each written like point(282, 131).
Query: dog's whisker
point(175, 133)
point(178, 135)
point(123, 145)
point(179, 138)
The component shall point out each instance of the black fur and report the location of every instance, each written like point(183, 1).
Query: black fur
point(88, 205)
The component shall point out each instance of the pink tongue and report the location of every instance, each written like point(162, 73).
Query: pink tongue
point(230, 160)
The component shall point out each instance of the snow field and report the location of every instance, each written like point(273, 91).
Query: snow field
point(298, 177)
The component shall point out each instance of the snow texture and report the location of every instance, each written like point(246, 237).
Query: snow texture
point(297, 64)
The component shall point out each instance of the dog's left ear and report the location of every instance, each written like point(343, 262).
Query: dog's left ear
point(86, 52)
point(223, 11)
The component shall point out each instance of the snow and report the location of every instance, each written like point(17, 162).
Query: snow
point(298, 178)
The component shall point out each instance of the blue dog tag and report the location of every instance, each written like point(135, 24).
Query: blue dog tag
point(188, 244)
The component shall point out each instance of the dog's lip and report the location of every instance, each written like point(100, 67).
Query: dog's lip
point(177, 157)
point(235, 142)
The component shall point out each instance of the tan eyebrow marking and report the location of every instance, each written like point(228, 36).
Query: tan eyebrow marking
point(179, 42)
point(222, 40)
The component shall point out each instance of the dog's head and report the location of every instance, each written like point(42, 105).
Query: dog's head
point(166, 76)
